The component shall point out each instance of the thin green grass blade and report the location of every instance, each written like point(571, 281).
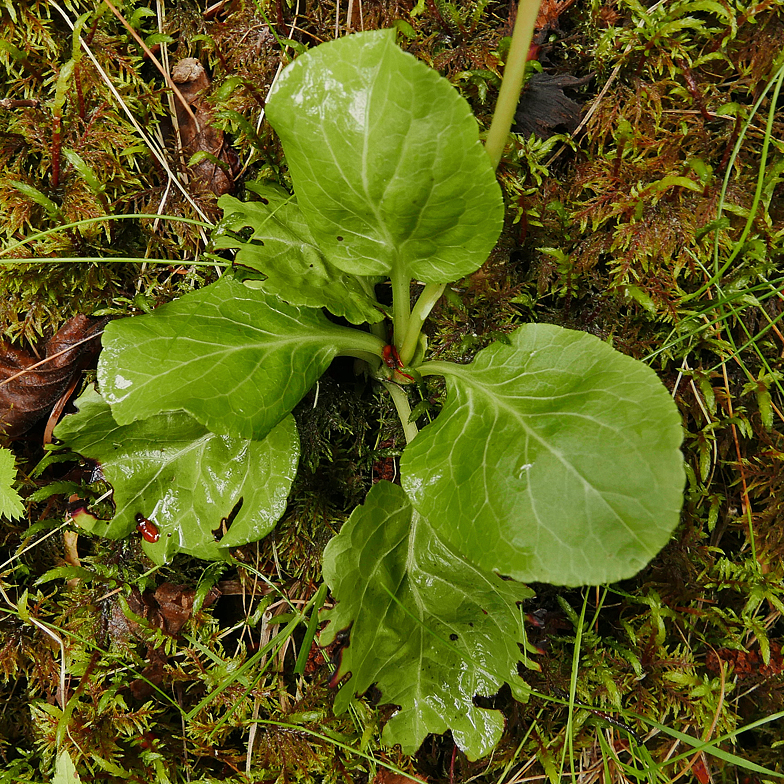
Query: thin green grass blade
point(87, 221)
point(710, 747)
point(310, 633)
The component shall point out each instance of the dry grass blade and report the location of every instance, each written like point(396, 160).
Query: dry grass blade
point(163, 71)
point(154, 149)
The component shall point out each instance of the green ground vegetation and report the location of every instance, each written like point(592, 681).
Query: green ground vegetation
point(657, 225)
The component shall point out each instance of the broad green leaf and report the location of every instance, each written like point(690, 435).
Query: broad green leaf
point(11, 505)
point(65, 770)
point(386, 161)
point(282, 248)
point(235, 359)
point(554, 460)
point(427, 626)
point(182, 478)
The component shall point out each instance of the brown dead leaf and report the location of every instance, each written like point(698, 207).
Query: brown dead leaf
point(544, 107)
point(200, 136)
point(152, 675)
point(30, 387)
point(385, 467)
point(175, 605)
point(168, 608)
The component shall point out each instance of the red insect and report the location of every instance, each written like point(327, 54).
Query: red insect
point(392, 360)
point(147, 529)
point(391, 357)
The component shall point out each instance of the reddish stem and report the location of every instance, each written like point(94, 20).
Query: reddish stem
point(31, 68)
point(694, 90)
point(91, 34)
point(435, 11)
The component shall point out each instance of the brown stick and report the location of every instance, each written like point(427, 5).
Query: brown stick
point(146, 49)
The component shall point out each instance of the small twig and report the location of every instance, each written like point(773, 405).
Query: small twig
point(167, 78)
point(19, 103)
point(213, 10)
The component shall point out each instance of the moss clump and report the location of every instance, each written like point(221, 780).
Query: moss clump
point(617, 232)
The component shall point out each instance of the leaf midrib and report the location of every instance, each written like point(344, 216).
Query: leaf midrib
point(482, 389)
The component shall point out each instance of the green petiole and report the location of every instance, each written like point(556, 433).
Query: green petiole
point(401, 306)
point(512, 84)
point(400, 400)
point(427, 300)
point(408, 324)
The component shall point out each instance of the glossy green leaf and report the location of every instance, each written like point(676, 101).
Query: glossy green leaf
point(554, 460)
point(283, 249)
point(386, 161)
point(235, 359)
point(427, 626)
point(184, 479)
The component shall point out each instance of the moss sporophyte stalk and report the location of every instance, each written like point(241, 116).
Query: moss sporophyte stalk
point(554, 459)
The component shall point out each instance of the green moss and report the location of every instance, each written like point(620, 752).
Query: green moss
point(606, 234)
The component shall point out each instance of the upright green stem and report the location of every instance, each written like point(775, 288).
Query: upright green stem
point(427, 299)
point(509, 94)
point(403, 409)
point(380, 330)
point(408, 324)
point(401, 306)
